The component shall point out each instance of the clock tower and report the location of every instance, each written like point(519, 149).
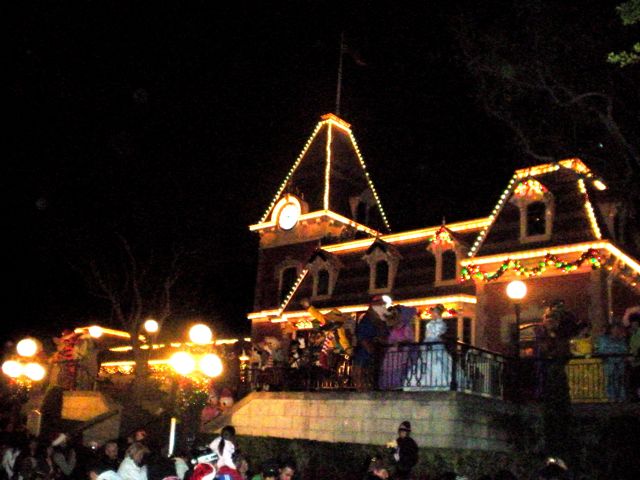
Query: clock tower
point(326, 197)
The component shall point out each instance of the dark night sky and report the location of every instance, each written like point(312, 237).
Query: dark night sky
point(175, 122)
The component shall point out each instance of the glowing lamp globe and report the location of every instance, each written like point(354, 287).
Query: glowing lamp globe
point(151, 326)
point(211, 365)
point(34, 371)
point(183, 363)
point(200, 334)
point(516, 290)
point(12, 368)
point(95, 331)
point(27, 347)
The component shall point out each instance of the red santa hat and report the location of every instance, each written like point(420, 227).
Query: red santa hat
point(204, 471)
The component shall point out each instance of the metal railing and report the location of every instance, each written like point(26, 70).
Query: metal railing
point(438, 366)
point(433, 366)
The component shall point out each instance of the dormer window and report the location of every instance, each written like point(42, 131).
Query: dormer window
point(324, 268)
point(383, 260)
point(535, 203)
point(446, 250)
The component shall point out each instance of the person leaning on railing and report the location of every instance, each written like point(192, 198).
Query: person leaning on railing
point(613, 345)
point(634, 349)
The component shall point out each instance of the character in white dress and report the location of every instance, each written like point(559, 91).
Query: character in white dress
point(430, 364)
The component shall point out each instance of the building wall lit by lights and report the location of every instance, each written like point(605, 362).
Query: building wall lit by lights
point(554, 227)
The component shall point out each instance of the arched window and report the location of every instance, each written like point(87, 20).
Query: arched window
point(382, 274)
point(323, 282)
point(449, 265)
point(536, 218)
point(289, 277)
point(430, 268)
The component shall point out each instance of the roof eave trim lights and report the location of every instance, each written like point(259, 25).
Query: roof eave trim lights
point(317, 214)
point(278, 316)
point(541, 252)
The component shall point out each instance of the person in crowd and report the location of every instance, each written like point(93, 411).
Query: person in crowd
point(224, 446)
point(287, 470)
point(64, 455)
point(47, 469)
point(634, 350)
point(109, 455)
point(376, 469)
point(9, 458)
point(613, 345)
point(269, 471)
point(243, 466)
point(406, 453)
point(27, 462)
point(181, 462)
point(101, 471)
point(159, 467)
point(369, 332)
point(133, 466)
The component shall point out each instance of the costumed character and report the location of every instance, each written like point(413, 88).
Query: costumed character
point(370, 330)
point(429, 367)
point(226, 399)
point(63, 365)
point(394, 363)
point(85, 352)
point(271, 362)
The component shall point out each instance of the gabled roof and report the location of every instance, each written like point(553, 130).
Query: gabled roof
point(330, 174)
point(574, 220)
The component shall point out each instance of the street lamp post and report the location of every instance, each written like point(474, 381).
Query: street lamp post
point(516, 291)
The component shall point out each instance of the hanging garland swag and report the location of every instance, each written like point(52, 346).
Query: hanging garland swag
point(474, 272)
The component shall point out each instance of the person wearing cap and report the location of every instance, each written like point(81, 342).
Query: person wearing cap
point(369, 331)
point(406, 454)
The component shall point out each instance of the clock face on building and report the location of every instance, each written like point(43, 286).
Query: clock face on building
point(288, 216)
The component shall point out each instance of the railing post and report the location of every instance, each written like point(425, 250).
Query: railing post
point(454, 367)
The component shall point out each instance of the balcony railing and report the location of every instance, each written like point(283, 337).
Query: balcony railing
point(459, 367)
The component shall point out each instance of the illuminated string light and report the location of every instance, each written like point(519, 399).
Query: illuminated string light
point(327, 169)
point(494, 214)
point(293, 289)
point(530, 188)
point(472, 271)
point(366, 174)
point(589, 208)
point(290, 173)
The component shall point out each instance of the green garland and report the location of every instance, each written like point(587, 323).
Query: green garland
point(472, 271)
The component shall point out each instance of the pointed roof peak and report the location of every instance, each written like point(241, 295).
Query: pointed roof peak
point(332, 176)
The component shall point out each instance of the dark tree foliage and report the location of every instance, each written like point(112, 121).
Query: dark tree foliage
point(540, 67)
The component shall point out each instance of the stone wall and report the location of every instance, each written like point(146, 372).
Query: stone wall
point(438, 419)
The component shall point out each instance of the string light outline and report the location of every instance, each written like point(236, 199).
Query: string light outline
point(589, 208)
point(327, 169)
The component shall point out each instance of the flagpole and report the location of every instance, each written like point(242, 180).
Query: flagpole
point(339, 85)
